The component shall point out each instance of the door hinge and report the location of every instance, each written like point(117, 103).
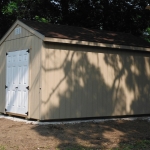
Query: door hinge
point(28, 51)
point(6, 87)
point(26, 113)
point(5, 109)
point(27, 87)
point(6, 54)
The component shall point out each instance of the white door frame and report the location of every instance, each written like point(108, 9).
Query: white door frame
point(18, 90)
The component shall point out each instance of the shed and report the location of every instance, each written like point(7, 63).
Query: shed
point(62, 72)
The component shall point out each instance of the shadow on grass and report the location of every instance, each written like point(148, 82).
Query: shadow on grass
point(99, 135)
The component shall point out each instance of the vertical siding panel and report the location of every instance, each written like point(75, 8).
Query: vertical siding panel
point(99, 90)
point(56, 80)
point(78, 68)
point(141, 83)
point(95, 81)
point(112, 58)
point(35, 77)
point(53, 80)
point(146, 97)
point(50, 78)
point(74, 107)
point(89, 86)
point(67, 93)
point(46, 102)
point(62, 101)
point(44, 87)
point(72, 87)
point(133, 83)
point(76, 57)
point(82, 84)
point(85, 83)
point(10, 37)
point(8, 46)
point(17, 44)
point(2, 77)
point(88, 107)
point(23, 32)
point(103, 67)
point(21, 45)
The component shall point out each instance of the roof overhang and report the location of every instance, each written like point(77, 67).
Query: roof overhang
point(86, 43)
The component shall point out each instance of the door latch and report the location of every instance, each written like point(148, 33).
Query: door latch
point(6, 87)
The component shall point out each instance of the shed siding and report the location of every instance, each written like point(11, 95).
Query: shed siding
point(79, 81)
point(20, 42)
point(24, 33)
point(2, 78)
point(35, 67)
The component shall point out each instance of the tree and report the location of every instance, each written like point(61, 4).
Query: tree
point(114, 15)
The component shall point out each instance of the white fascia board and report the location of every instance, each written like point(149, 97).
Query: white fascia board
point(86, 43)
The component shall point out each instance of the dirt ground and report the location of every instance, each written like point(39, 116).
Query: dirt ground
point(89, 135)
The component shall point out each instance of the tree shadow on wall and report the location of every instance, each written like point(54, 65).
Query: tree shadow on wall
point(114, 84)
point(87, 94)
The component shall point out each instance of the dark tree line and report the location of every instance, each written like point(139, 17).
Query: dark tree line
point(114, 15)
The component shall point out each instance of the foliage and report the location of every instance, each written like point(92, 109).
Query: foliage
point(113, 15)
point(41, 19)
point(147, 36)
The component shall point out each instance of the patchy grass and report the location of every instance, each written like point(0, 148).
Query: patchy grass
point(136, 145)
point(2, 147)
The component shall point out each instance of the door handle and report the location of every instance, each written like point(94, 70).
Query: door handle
point(16, 87)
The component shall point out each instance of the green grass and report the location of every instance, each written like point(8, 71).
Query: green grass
point(2, 147)
point(138, 145)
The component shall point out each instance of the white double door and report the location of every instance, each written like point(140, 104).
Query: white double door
point(17, 68)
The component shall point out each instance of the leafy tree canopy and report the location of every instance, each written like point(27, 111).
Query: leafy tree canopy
point(114, 15)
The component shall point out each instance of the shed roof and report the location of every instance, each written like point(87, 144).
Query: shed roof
point(81, 36)
point(84, 34)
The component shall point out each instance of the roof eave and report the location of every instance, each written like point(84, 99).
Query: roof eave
point(87, 43)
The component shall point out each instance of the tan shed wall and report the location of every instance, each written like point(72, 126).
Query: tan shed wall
point(20, 42)
point(24, 33)
point(80, 81)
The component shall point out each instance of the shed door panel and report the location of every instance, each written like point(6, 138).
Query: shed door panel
point(17, 82)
